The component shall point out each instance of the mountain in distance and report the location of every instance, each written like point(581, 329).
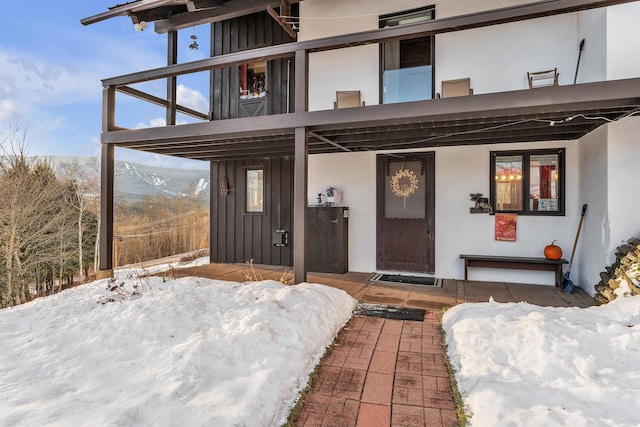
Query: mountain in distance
point(134, 181)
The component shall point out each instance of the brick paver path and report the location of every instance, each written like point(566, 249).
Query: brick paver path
point(382, 372)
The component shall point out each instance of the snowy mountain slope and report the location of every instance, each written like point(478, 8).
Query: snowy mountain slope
point(134, 180)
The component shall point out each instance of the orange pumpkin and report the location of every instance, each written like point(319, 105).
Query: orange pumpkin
point(552, 251)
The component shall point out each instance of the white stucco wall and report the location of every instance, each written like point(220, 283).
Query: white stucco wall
point(592, 27)
point(608, 163)
point(594, 242)
point(623, 41)
point(355, 175)
point(498, 58)
point(624, 192)
point(505, 51)
point(464, 170)
point(459, 172)
point(353, 68)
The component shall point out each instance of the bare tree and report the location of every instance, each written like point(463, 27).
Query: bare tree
point(159, 226)
point(85, 200)
point(36, 222)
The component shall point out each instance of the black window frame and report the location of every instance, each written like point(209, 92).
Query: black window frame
point(526, 171)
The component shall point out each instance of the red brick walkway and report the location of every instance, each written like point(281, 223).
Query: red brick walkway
point(382, 372)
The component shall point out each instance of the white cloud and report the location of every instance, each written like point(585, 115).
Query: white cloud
point(191, 98)
point(157, 123)
point(153, 123)
point(7, 90)
point(35, 83)
point(52, 84)
point(94, 146)
point(9, 111)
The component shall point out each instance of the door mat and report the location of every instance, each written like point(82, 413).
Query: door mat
point(408, 280)
point(390, 312)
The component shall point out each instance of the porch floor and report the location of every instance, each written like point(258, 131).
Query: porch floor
point(385, 372)
point(451, 293)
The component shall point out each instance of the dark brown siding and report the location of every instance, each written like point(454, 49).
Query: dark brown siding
point(236, 236)
point(242, 33)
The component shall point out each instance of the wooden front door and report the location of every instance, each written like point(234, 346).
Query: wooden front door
point(405, 212)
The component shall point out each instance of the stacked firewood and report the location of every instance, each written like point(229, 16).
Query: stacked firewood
point(622, 278)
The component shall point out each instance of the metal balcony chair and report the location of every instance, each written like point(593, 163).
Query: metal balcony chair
point(348, 99)
point(543, 78)
point(457, 87)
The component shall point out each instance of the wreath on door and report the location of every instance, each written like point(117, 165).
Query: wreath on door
point(404, 183)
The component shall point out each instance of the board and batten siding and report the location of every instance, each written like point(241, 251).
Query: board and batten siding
point(236, 236)
point(243, 33)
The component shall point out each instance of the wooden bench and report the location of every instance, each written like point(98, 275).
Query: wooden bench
point(515, 263)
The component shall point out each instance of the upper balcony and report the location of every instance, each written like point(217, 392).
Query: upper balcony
point(258, 87)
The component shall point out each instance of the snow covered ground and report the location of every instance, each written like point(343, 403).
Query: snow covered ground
point(186, 352)
point(525, 365)
point(193, 352)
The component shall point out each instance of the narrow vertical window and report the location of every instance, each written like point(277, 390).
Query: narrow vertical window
point(544, 183)
point(255, 191)
point(508, 177)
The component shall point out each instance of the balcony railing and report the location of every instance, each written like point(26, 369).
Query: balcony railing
point(395, 82)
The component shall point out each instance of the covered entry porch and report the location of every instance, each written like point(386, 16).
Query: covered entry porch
point(559, 113)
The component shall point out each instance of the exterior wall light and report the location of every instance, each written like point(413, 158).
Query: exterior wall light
point(140, 26)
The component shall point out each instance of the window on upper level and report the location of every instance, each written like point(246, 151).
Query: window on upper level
point(252, 80)
point(528, 182)
point(407, 65)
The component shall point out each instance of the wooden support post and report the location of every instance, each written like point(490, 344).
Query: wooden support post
point(172, 59)
point(301, 81)
point(300, 206)
point(108, 108)
point(106, 210)
point(213, 211)
point(300, 172)
point(105, 249)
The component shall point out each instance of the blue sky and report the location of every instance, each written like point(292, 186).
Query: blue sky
point(51, 68)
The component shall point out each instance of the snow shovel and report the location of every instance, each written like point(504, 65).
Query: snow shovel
point(567, 284)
